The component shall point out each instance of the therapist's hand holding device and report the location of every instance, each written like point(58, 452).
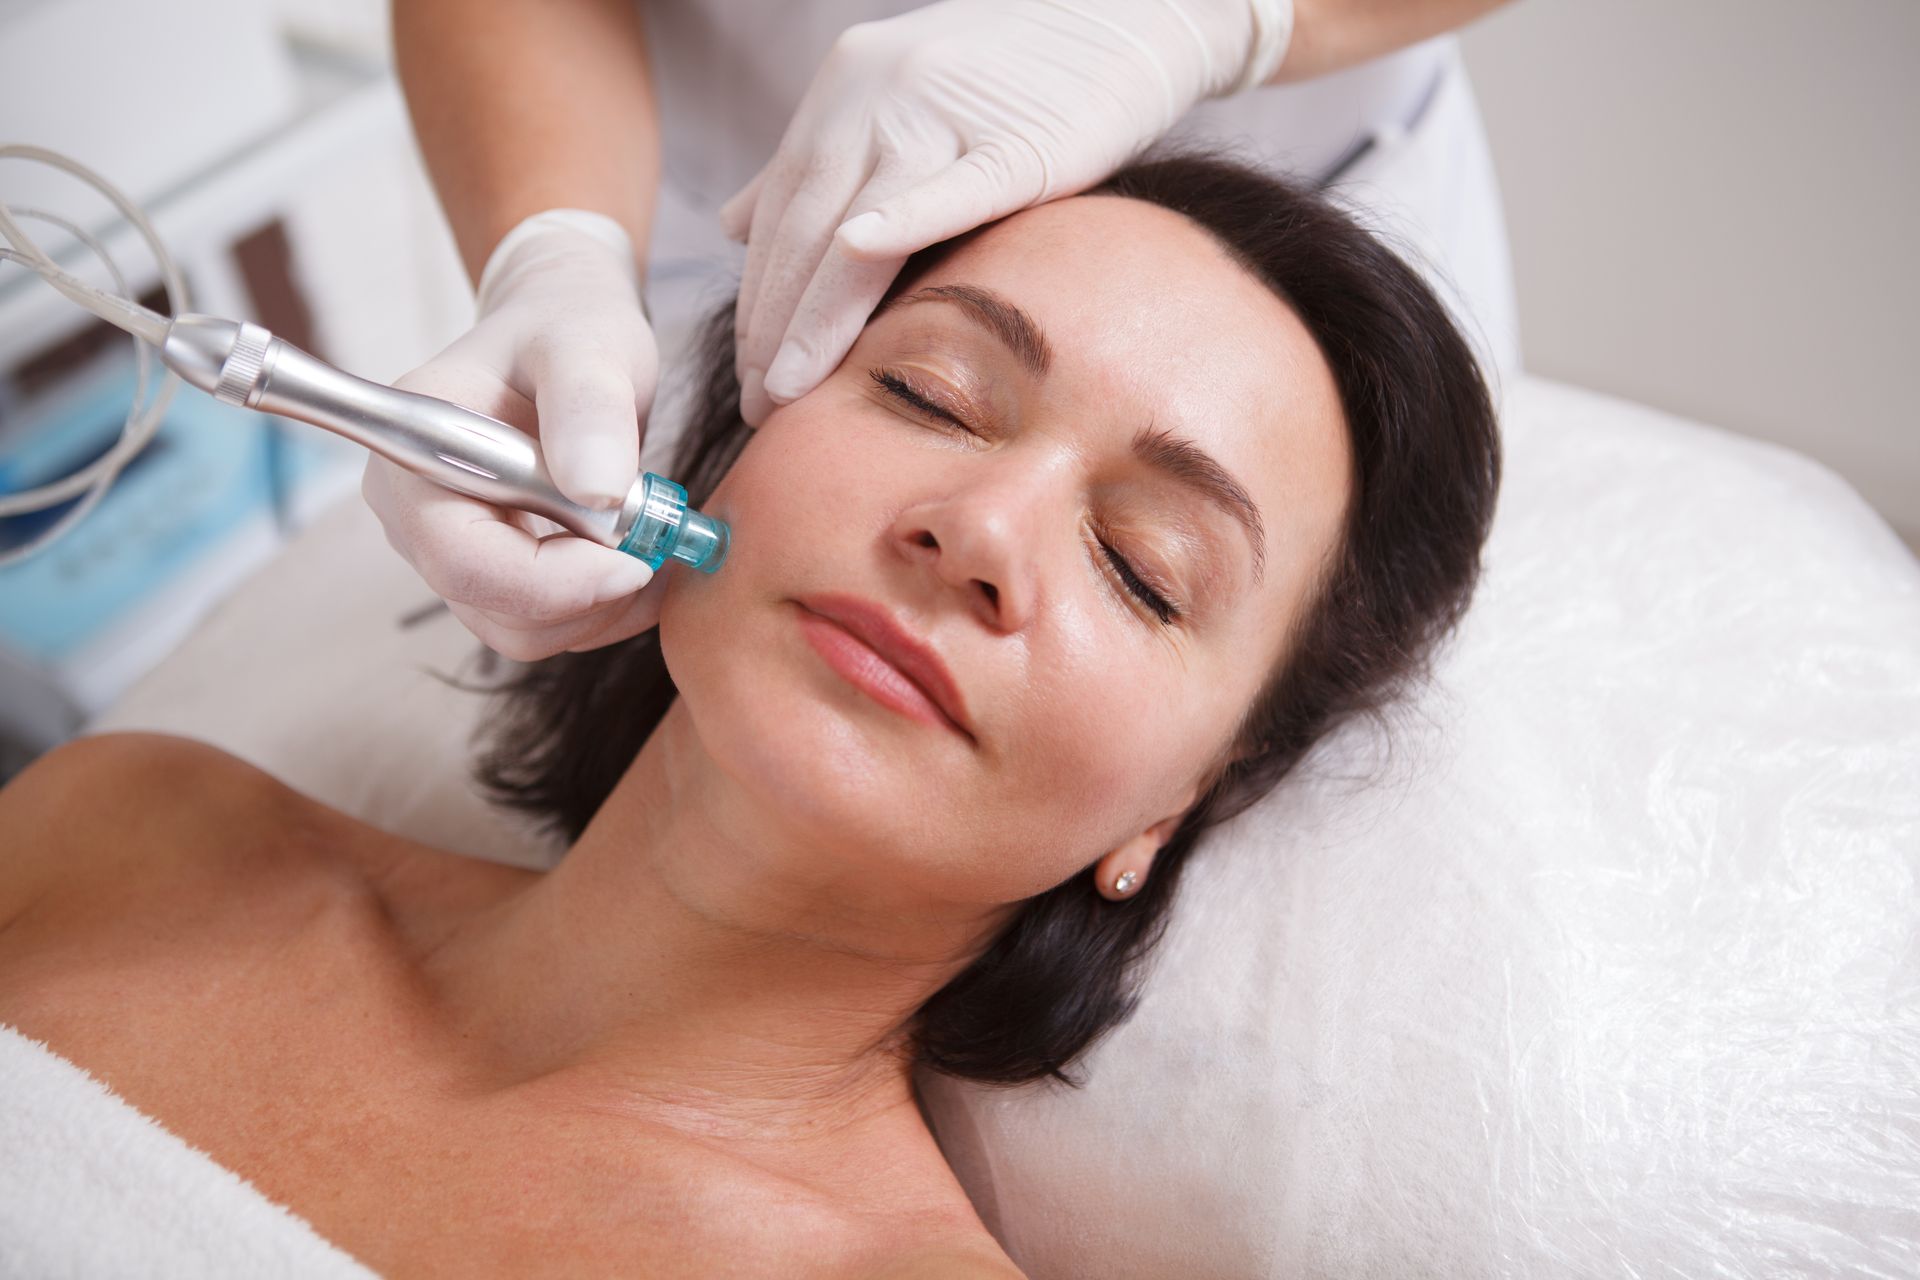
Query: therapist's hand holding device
point(560, 341)
point(914, 129)
point(923, 126)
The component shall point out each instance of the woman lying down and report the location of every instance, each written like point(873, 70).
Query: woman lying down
point(1145, 489)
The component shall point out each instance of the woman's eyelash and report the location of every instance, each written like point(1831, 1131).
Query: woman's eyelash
point(1161, 607)
point(901, 390)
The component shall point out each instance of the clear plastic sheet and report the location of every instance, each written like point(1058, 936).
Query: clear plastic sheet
point(1604, 962)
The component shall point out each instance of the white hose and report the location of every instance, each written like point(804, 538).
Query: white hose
point(119, 309)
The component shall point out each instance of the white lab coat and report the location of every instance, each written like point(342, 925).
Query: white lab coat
point(728, 75)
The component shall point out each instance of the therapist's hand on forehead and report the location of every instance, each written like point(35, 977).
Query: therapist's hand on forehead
point(921, 127)
point(538, 124)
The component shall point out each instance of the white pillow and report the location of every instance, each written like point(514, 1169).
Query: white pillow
point(1613, 970)
point(1604, 961)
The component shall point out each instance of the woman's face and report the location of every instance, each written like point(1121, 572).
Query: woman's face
point(1062, 351)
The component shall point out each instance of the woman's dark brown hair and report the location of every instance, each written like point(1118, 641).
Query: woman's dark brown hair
point(1426, 473)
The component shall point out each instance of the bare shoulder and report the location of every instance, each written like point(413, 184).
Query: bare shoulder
point(73, 769)
point(983, 1261)
point(115, 804)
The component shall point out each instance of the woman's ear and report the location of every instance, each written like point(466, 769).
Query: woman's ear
point(1119, 875)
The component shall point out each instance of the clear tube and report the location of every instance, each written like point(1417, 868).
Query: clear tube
point(92, 481)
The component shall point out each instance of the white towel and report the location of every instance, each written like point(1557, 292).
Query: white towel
point(91, 1187)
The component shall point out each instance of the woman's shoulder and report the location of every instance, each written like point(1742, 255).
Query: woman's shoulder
point(78, 761)
point(963, 1262)
point(131, 776)
point(938, 1233)
point(117, 804)
point(135, 781)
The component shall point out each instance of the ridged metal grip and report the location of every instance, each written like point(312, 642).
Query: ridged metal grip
point(240, 374)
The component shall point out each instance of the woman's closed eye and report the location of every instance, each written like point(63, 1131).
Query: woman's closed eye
point(1121, 571)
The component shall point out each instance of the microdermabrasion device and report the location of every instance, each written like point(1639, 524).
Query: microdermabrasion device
point(243, 364)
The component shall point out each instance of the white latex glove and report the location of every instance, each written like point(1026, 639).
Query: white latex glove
point(562, 351)
point(920, 127)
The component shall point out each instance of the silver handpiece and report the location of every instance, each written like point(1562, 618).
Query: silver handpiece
point(243, 364)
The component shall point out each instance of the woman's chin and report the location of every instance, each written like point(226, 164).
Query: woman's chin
point(821, 761)
point(824, 762)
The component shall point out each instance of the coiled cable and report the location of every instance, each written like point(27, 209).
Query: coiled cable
point(149, 329)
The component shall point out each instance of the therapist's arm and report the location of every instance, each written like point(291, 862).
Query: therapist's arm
point(526, 105)
point(1331, 35)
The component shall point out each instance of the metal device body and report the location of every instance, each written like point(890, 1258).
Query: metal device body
point(244, 364)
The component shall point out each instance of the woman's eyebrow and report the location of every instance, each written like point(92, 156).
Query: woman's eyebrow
point(1002, 317)
point(1187, 463)
point(1178, 458)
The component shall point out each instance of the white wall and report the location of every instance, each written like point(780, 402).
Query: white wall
point(1714, 207)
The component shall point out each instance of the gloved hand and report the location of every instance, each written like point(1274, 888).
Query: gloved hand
point(562, 351)
point(920, 127)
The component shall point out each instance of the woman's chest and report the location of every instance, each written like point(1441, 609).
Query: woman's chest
point(278, 1044)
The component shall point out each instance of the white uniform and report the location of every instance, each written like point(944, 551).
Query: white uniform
point(1401, 136)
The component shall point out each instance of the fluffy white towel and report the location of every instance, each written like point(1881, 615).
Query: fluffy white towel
point(91, 1187)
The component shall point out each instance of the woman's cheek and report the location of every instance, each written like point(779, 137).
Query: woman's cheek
point(810, 439)
point(1078, 730)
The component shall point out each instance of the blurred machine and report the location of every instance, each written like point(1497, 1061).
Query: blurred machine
point(205, 503)
point(216, 492)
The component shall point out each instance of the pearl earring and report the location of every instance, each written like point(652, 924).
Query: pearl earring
point(1125, 881)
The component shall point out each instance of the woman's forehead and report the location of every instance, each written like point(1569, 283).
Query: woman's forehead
point(1147, 318)
point(1142, 300)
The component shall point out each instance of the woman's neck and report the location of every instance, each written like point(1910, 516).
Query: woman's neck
point(692, 962)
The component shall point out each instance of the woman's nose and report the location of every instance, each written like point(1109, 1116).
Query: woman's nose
point(981, 534)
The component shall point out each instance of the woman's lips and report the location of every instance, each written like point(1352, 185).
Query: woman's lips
point(873, 674)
